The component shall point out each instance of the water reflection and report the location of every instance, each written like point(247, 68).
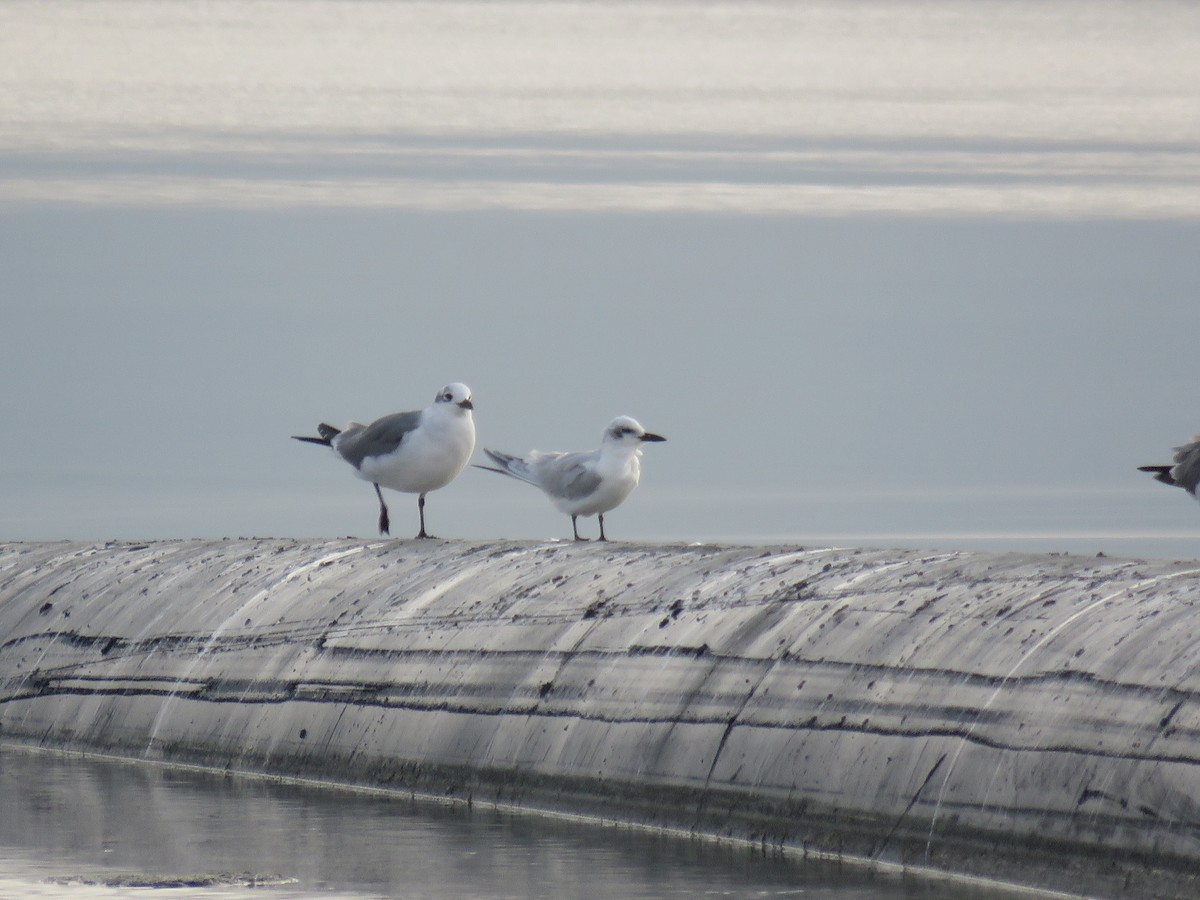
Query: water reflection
point(71, 820)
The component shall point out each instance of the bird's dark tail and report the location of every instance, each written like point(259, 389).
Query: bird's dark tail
point(1161, 473)
point(327, 432)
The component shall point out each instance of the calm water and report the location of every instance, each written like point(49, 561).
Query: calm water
point(885, 272)
point(73, 827)
point(1061, 109)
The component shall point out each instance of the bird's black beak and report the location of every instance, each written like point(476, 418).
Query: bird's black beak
point(466, 404)
point(652, 437)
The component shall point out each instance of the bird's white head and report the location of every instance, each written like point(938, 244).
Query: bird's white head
point(628, 431)
point(456, 396)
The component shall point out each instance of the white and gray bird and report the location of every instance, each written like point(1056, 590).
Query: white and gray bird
point(414, 452)
point(585, 482)
point(1184, 472)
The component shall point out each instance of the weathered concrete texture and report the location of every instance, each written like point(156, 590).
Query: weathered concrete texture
point(1036, 718)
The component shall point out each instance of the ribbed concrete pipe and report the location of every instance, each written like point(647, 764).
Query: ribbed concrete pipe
point(1031, 718)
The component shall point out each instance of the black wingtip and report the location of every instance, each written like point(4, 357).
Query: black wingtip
point(327, 434)
point(1161, 473)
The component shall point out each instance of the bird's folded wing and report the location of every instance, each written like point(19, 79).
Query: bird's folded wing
point(568, 476)
point(379, 438)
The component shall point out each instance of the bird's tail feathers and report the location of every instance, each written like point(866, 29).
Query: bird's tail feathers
point(1161, 473)
point(508, 465)
point(327, 432)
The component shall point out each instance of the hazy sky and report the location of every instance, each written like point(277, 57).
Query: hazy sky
point(882, 272)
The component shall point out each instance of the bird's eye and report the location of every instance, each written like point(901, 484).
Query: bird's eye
point(447, 397)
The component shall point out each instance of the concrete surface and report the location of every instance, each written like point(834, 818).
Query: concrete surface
point(1029, 718)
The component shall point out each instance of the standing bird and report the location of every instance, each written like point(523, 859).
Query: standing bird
point(586, 482)
point(1185, 472)
point(415, 452)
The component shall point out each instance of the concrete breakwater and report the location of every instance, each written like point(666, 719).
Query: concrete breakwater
point(1030, 718)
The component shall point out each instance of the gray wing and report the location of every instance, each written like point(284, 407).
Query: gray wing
point(1186, 471)
point(513, 466)
point(568, 476)
point(377, 439)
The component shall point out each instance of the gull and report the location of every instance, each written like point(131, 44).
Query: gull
point(415, 452)
point(585, 482)
point(1185, 472)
